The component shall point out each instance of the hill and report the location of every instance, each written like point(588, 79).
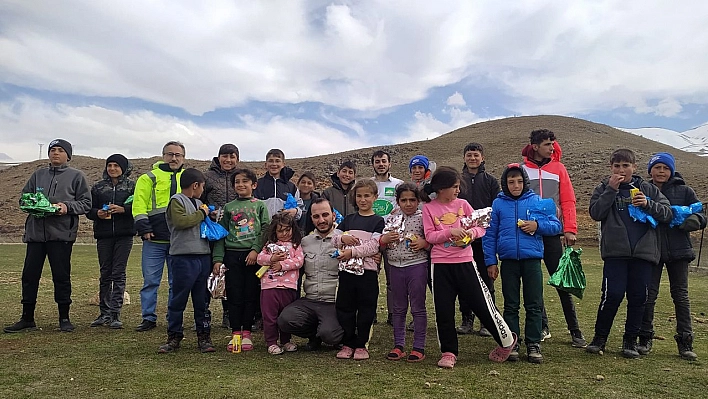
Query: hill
point(586, 148)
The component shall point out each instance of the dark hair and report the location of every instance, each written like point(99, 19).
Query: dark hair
point(623, 155)
point(514, 173)
point(473, 147)
point(407, 186)
point(320, 200)
point(177, 143)
point(275, 152)
point(541, 135)
point(444, 177)
point(229, 149)
point(190, 176)
point(285, 219)
point(309, 175)
point(251, 175)
point(362, 183)
point(347, 164)
point(380, 154)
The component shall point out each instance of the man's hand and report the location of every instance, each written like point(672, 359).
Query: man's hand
point(102, 214)
point(113, 208)
point(251, 258)
point(568, 239)
point(148, 236)
point(493, 272)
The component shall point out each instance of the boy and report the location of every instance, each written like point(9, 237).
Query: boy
point(419, 167)
point(190, 262)
point(676, 253)
point(338, 192)
point(479, 189)
point(629, 248)
point(520, 249)
point(274, 186)
point(550, 179)
point(245, 218)
point(52, 236)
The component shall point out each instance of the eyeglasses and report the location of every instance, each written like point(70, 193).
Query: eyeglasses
point(173, 154)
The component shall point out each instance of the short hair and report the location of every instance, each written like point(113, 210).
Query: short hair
point(363, 183)
point(177, 143)
point(275, 152)
point(347, 164)
point(190, 176)
point(541, 135)
point(229, 149)
point(515, 172)
point(473, 147)
point(407, 186)
point(321, 200)
point(380, 154)
point(623, 155)
point(250, 175)
point(307, 174)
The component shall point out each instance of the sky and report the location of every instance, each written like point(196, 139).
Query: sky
point(318, 77)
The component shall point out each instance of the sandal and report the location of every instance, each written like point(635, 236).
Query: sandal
point(447, 360)
point(500, 354)
point(415, 357)
point(396, 354)
point(275, 350)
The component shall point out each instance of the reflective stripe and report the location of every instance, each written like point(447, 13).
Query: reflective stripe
point(157, 211)
point(140, 217)
point(154, 194)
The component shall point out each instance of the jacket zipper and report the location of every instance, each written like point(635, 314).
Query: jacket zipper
point(516, 217)
point(113, 222)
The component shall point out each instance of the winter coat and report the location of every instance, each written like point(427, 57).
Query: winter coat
point(305, 222)
point(339, 197)
point(153, 191)
point(275, 191)
point(479, 189)
point(218, 190)
point(104, 192)
point(287, 277)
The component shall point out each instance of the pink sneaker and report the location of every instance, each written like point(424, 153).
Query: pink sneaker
point(447, 361)
point(500, 354)
point(345, 353)
point(246, 343)
point(361, 354)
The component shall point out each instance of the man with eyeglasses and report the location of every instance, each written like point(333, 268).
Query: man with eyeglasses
point(153, 191)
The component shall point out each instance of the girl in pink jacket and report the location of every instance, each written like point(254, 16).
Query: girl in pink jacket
point(283, 254)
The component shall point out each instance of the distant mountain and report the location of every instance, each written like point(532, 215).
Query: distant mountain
point(5, 158)
point(694, 140)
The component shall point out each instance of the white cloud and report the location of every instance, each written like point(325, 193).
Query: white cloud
point(426, 126)
point(456, 100)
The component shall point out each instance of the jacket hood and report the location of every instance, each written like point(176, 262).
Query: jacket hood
point(336, 182)
point(675, 180)
point(524, 175)
point(528, 152)
point(125, 175)
point(215, 165)
point(285, 174)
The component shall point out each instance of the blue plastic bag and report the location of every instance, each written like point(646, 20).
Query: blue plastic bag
point(640, 215)
point(681, 212)
point(211, 230)
point(290, 202)
point(338, 217)
point(543, 208)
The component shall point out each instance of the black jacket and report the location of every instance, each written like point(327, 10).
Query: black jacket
point(479, 189)
point(218, 190)
point(272, 188)
point(305, 221)
point(675, 242)
point(104, 192)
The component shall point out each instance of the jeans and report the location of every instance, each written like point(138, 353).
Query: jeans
point(678, 285)
point(154, 257)
point(191, 273)
point(526, 274)
point(552, 252)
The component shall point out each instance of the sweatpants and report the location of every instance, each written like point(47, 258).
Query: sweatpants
point(113, 254)
point(273, 301)
point(478, 255)
point(409, 284)
point(526, 274)
point(190, 276)
point(451, 280)
point(59, 254)
point(356, 302)
point(620, 276)
point(243, 290)
point(552, 252)
point(311, 319)
point(678, 285)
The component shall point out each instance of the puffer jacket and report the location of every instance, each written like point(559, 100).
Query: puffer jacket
point(675, 242)
point(104, 192)
point(218, 190)
point(339, 197)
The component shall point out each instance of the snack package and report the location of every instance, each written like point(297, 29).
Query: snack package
point(396, 224)
point(37, 205)
point(353, 265)
point(107, 208)
point(410, 237)
point(290, 202)
point(217, 284)
point(478, 218)
point(273, 249)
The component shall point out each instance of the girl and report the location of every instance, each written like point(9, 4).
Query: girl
point(279, 283)
point(306, 186)
point(454, 271)
point(358, 290)
point(408, 273)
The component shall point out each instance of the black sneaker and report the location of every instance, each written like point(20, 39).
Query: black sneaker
point(514, 354)
point(467, 326)
point(577, 340)
point(146, 325)
point(21, 325)
point(685, 346)
point(204, 343)
point(313, 344)
point(534, 353)
point(629, 347)
point(645, 344)
point(65, 325)
point(173, 342)
point(597, 346)
point(115, 323)
point(101, 320)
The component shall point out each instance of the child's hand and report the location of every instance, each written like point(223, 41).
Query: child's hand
point(292, 212)
point(418, 244)
point(345, 255)
point(216, 269)
point(639, 200)
point(251, 258)
point(493, 272)
point(390, 237)
point(615, 181)
point(276, 266)
point(458, 233)
point(472, 235)
point(277, 257)
point(62, 209)
point(113, 208)
point(348, 239)
point(377, 258)
point(529, 226)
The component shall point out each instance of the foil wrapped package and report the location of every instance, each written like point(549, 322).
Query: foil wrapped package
point(395, 224)
point(353, 265)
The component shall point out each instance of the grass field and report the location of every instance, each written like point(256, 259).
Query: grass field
point(98, 362)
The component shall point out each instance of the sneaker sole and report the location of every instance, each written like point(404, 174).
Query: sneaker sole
point(535, 361)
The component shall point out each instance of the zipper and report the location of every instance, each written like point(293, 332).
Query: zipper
point(113, 222)
point(516, 217)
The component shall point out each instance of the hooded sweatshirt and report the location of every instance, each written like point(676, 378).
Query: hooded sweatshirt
point(218, 190)
point(275, 191)
point(339, 197)
point(104, 192)
point(549, 179)
point(59, 184)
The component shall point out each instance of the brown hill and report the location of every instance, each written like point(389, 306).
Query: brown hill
point(586, 148)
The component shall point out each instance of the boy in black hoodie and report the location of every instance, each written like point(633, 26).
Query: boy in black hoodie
point(628, 248)
point(274, 186)
point(338, 193)
point(676, 253)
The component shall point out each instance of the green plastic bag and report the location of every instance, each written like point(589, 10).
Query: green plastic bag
point(128, 200)
point(570, 276)
point(37, 205)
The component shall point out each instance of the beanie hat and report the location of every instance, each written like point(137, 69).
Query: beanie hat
point(662, 157)
point(63, 144)
point(121, 160)
point(228, 149)
point(419, 160)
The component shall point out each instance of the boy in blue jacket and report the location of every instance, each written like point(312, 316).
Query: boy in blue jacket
point(516, 234)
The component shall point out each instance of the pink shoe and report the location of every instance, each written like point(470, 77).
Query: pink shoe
point(246, 343)
point(361, 354)
point(500, 354)
point(345, 353)
point(447, 361)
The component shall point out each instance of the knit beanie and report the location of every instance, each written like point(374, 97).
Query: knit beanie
point(121, 160)
point(419, 160)
point(63, 144)
point(662, 157)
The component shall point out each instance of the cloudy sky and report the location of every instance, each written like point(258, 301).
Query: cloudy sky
point(314, 77)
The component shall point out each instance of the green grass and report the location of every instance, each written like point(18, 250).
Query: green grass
point(96, 362)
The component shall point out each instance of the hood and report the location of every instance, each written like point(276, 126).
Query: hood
point(675, 180)
point(285, 174)
point(528, 152)
point(215, 165)
point(125, 175)
point(524, 175)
